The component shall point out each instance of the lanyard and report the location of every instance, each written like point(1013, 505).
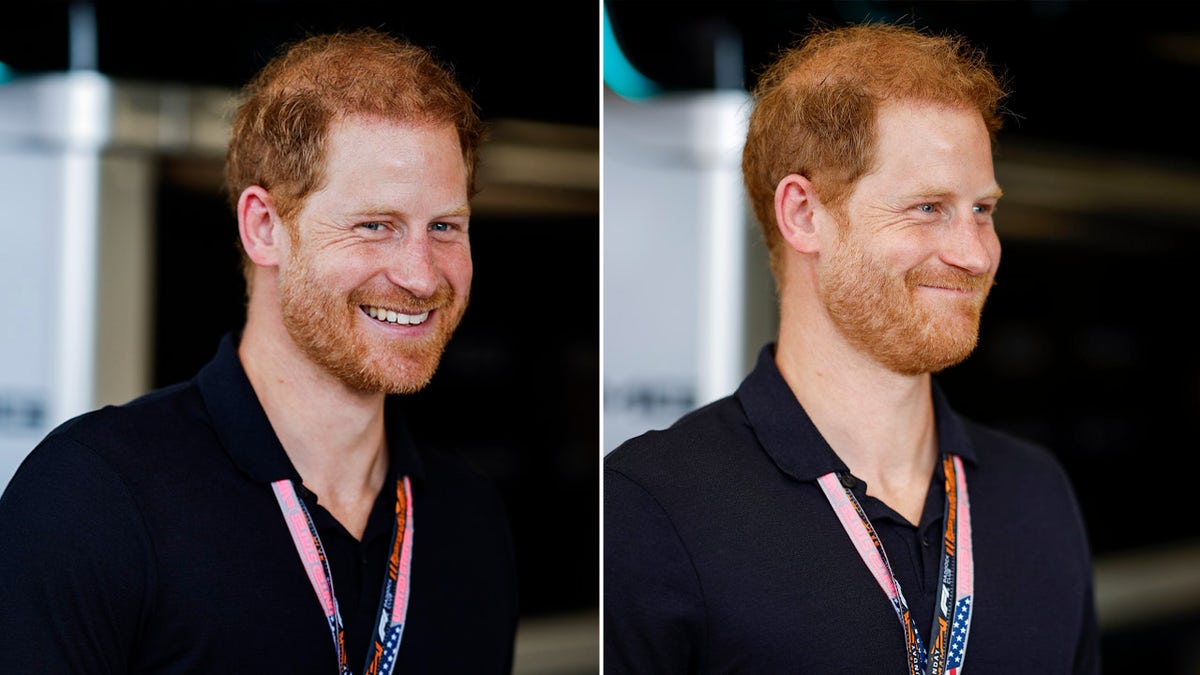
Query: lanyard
point(393, 603)
point(952, 616)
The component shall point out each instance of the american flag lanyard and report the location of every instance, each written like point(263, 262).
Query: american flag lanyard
point(393, 602)
point(952, 617)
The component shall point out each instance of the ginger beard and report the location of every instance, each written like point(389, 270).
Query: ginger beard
point(879, 312)
point(322, 322)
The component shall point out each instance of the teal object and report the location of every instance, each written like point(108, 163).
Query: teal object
point(619, 74)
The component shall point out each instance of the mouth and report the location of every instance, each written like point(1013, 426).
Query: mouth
point(394, 317)
point(950, 288)
point(956, 284)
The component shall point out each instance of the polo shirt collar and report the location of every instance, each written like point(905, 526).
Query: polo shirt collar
point(792, 441)
point(245, 433)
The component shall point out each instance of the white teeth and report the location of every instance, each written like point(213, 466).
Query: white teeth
point(392, 316)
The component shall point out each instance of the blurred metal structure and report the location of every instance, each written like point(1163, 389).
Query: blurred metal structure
point(682, 318)
point(78, 156)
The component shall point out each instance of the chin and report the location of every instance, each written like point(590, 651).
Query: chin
point(406, 374)
point(411, 381)
point(406, 383)
point(939, 346)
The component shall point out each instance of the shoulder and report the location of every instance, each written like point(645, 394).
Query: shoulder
point(666, 481)
point(998, 453)
point(1020, 476)
point(105, 456)
point(117, 434)
point(462, 503)
point(688, 444)
point(76, 513)
point(159, 417)
point(1009, 455)
point(464, 524)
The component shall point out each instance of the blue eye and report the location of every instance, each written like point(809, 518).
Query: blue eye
point(373, 226)
point(927, 208)
point(441, 227)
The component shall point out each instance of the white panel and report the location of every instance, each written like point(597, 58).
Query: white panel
point(30, 214)
point(77, 184)
point(675, 229)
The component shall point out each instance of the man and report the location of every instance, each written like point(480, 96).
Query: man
point(272, 515)
point(834, 514)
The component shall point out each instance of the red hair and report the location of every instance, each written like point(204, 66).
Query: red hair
point(815, 107)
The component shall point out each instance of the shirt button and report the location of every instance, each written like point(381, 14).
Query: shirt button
point(925, 541)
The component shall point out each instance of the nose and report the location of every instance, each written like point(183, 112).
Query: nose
point(971, 245)
point(411, 264)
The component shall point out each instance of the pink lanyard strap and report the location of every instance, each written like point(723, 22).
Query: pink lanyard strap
point(393, 603)
point(952, 615)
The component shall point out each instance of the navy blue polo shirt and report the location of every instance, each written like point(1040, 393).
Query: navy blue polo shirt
point(722, 554)
point(146, 538)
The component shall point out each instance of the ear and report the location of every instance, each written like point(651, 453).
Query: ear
point(796, 206)
point(260, 227)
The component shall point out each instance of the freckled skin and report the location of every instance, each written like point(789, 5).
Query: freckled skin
point(387, 229)
point(906, 279)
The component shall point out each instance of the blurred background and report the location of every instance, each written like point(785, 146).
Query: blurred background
point(1086, 344)
point(119, 268)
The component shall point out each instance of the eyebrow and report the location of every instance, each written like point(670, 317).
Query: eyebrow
point(929, 192)
point(380, 210)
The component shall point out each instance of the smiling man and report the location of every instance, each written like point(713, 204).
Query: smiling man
point(273, 514)
point(835, 514)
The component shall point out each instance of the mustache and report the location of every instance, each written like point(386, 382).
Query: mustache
point(400, 299)
point(957, 280)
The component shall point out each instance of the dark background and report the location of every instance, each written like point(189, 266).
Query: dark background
point(518, 390)
point(515, 67)
point(1086, 345)
point(1100, 74)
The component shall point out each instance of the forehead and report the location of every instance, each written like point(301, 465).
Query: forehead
point(921, 142)
point(359, 137)
point(930, 125)
point(374, 157)
point(375, 167)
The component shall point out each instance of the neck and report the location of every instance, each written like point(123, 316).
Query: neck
point(880, 423)
point(332, 434)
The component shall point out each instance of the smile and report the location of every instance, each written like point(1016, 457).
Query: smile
point(392, 316)
point(952, 289)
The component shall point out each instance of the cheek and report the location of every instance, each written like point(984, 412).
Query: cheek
point(456, 266)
